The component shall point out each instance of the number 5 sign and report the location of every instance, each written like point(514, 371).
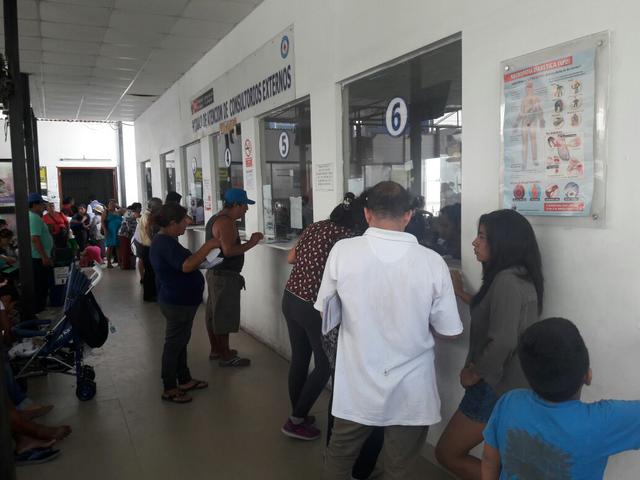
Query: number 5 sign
point(283, 145)
point(396, 117)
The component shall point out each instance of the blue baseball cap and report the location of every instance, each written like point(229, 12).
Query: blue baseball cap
point(237, 195)
point(36, 198)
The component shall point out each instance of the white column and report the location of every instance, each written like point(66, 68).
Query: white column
point(326, 149)
point(208, 177)
point(252, 173)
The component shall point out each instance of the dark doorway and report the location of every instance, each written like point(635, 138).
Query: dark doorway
point(79, 183)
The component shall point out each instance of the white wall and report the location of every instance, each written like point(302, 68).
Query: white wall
point(79, 140)
point(592, 274)
point(97, 143)
point(130, 164)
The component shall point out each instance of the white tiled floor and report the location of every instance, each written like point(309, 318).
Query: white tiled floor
point(231, 431)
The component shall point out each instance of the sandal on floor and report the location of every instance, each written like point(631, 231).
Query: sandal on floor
point(235, 361)
point(216, 355)
point(195, 385)
point(178, 396)
point(34, 456)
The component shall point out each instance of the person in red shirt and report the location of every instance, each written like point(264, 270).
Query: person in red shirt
point(68, 207)
point(58, 225)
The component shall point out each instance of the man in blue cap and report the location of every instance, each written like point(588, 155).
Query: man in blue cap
point(41, 249)
point(224, 280)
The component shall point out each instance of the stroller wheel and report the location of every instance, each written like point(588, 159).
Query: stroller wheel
point(88, 372)
point(86, 390)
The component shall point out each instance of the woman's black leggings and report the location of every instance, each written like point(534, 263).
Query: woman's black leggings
point(305, 333)
point(149, 292)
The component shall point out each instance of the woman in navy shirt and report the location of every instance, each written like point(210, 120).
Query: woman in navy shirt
point(180, 286)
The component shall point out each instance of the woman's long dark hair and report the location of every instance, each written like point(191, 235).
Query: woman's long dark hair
point(350, 214)
point(512, 243)
point(169, 212)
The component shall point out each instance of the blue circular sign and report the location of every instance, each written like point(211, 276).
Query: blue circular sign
point(284, 47)
point(227, 157)
point(283, 145)
point(396, 116)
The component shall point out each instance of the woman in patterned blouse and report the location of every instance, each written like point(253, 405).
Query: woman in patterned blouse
point(303, 321)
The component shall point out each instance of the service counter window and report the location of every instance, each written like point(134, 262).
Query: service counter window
point(192, 156)
point(404, 123)
point(228, 160)
point(286, 172)
point(168, 163)
point(146, 175)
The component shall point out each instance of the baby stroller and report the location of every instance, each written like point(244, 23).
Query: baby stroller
point(62, 350)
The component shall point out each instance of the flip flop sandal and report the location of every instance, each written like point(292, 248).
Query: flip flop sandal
point(216, 356)
point(197, 385)
point(34, 456)
point(177, 397)
point(235, 362)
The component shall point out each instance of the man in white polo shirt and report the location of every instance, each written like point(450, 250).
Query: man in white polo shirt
point(393, 292)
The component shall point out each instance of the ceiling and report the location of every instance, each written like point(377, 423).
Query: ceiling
point(108, 60)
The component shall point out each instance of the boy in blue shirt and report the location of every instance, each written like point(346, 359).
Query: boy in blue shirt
point(548, 433)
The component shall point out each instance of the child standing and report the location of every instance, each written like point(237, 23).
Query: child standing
point(549, 432)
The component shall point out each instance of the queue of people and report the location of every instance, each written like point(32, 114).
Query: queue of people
point(178, 284)
point(97, 234)
point(391, 297)
point(366, 299)
point(368, 296)
point(83, 230)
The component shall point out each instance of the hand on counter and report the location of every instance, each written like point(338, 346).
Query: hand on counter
point(256, 237)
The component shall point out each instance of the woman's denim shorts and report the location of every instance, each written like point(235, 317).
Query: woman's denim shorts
point(478, 402)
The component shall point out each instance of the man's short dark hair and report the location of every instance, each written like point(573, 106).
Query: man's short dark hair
point(173, 197)
point(554, 359)
point(388, 200)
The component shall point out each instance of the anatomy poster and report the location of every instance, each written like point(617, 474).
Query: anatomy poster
point(548, 134)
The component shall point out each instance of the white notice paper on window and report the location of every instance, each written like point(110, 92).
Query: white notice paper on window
point(296, 212)
point(269, 218)
point(324, 177)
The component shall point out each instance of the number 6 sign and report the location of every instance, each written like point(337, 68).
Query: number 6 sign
point(396, 117)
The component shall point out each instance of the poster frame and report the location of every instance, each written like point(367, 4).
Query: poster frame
point(601, 43)
point(8, 207)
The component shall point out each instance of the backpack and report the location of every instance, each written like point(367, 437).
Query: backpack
point(88, 321)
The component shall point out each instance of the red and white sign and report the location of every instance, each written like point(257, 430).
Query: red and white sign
point(542, 67)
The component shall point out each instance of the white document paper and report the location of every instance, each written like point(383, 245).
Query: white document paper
point(331, 313)
point(296, 212)
point(212, 259)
